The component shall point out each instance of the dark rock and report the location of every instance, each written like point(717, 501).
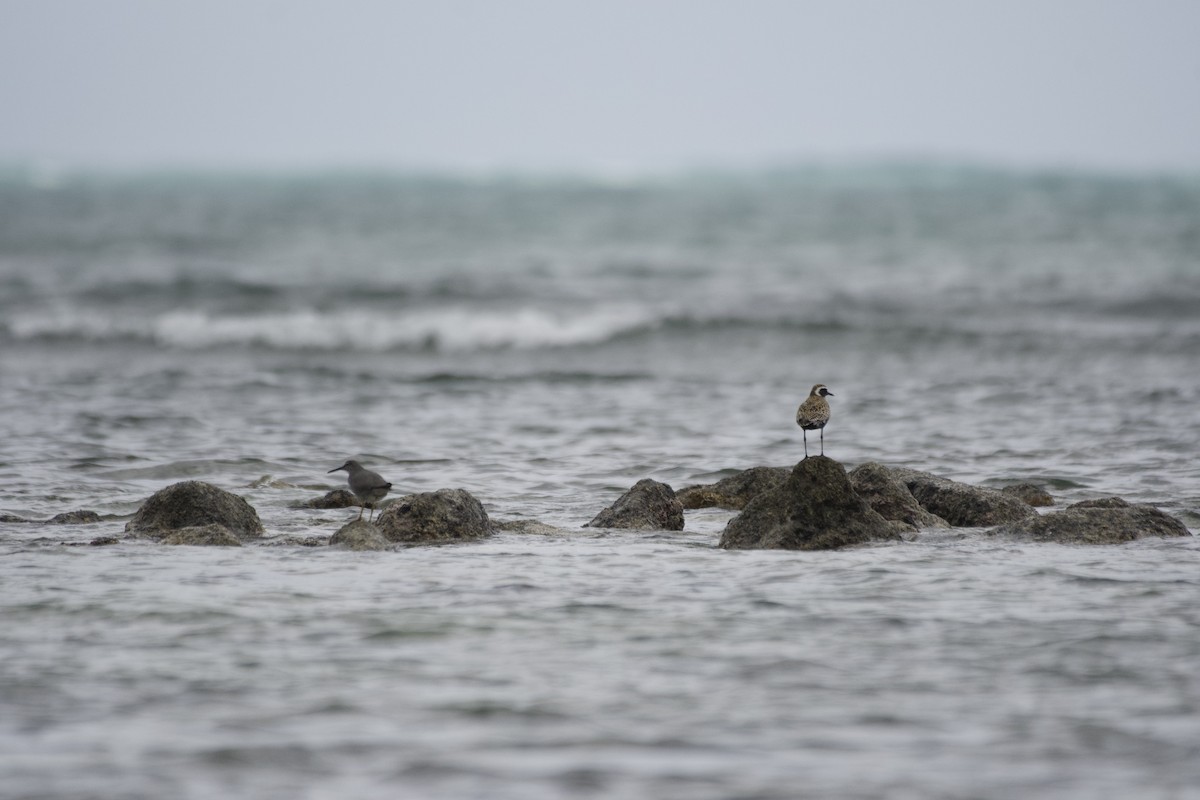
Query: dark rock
point(74, 518)
point(360, 535)
point(816, 508)
point(735, 491)
point(447, 515)
point(529, 526)
point(1030, 493)
point(1107, 521)
point(195, 504)
point(961, 504)
point(11, 518)
point(890, 497)
point(211, 535)
point(649, 505)
point(338, 498)
point(100, 541)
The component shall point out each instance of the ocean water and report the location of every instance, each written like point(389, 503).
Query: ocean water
point(545, 343)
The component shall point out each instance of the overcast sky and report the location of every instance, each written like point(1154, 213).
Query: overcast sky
point(610, 85)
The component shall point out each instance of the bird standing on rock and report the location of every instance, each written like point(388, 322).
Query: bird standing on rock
point(813, 414)
point(369, 487)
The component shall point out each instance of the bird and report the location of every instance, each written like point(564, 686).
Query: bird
point(813, 414)
point(369, 487)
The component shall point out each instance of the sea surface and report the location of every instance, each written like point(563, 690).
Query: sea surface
point(545, 343)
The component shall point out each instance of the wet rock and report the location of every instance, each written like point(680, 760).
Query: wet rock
point(211, 535)
point(101, 541)
point(735, 491)
point(338, 498)
point(12, 518)
point(890, 497)
point(528, 526)
point(961, 504)
point(1109, 520)
point(447, 515)
point(74, 518)
point(649, 505)
point(360, 535)
point(195, 504)
point(1030, 493)
point(816, 508)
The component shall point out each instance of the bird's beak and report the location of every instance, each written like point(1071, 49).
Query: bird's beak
point(829, 393)
point(335, 469)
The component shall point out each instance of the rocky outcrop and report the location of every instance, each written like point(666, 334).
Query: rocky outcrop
point(961, 504)
point(447, 515)
point(890, 497)
point(338, 498)
point(649, 505)
point(212, 535)
point(1110, 520)
point(360, 535)
point(74, 518)
point(195, 504)
point(816, 508)
point(735, 491)
point(1030, 493)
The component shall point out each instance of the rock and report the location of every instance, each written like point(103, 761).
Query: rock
point(529, 526)
point(338, 498)
point(211, 535)
point(74, 518)
point(1030, 493)
point(11, 518)
point(195, 504)
point(890, 497)
point(360, 535)
point(1109, 520)
point(735, 491)
point(816, 508)
point(961, 504)
point(447, 515)
point(649, 505)
point(101, 541)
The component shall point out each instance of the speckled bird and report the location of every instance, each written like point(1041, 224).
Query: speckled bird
point(813, 414)
point(369, 487)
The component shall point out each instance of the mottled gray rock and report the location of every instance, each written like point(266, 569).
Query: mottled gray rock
point(11, 518)
point(1109, 520)
point(101, 541)
point(649, 505)
point(360, 535)
point(1030, 493)
point(529, 526)
point(890, 497)
point(74, 518)
point(447, 515)
point(735, 491)
point(816, 508)
point(195, 504)
point(961, 504)
point(212, 535)
point(338, 498)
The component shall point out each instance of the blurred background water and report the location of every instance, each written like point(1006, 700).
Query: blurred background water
point(545, 343)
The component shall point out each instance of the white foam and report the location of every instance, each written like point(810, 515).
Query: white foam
point(454, 328)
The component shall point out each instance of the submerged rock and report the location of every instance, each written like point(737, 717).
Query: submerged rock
point(212, 535)
point(195, 504)
point(74, 518)
point(816, 508)
point(735, 491)
point(1109, 520)
point(1030, 493)
point(338, 498)
point(649, 505)
point(447, 515)
point(890, 497)
point(961, 504)
point(360, 535)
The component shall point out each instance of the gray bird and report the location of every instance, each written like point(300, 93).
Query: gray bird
point(369, 487)
point(813, 414)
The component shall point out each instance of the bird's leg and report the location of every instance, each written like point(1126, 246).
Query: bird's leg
point(804, 433)
point(822, 441)
point(360, 509)
point(372, 516)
